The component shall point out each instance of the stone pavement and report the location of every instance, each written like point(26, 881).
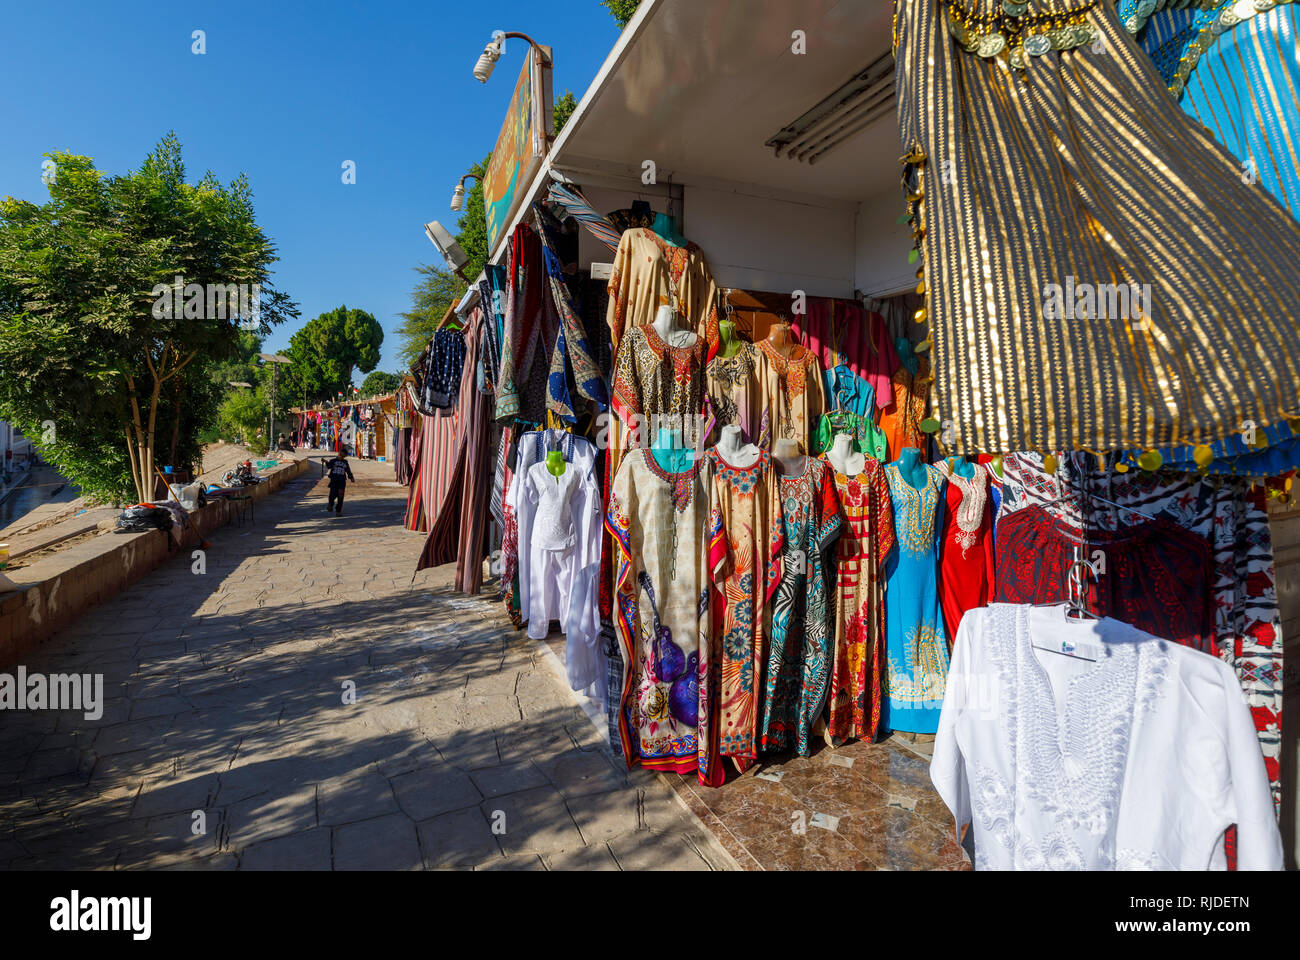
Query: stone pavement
point(226, 741)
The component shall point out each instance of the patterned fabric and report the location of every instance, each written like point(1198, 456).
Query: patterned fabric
point(572, 360)
point(793, 392)
point(649, 273)
point(745, 561)
point(916, 643)
point(653, 379)
point(1156, 574)
point(663, 613)
point(577, 206)
point(966, 569)
point(867, 437)
point(445, 365)
point(843, 331)
point(490, 360)
point(800, 652)
point(1239, 78)
point(733, 394)
point(531, 331)
point(1224, 511)
point(1126, 190)
point(866, 539)
point(457, 530)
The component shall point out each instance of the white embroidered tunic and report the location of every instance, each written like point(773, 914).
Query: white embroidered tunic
point(560, 535)
point(1137, 760)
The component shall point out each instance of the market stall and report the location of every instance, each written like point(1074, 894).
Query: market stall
point(785, 436)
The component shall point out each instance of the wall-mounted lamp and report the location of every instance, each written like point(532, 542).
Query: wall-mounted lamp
point(487, 61)
point(458, 195)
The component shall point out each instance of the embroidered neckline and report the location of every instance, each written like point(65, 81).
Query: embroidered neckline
point(681, 484)
point(1071, 763)
point(798, 357)
point(661, 346)
point(762, 455)
point(969, 514)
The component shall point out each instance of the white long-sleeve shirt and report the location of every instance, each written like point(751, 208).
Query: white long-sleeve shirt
point(559, 524)
point(1126, 752)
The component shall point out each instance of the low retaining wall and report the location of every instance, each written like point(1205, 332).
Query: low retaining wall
point(53, 593)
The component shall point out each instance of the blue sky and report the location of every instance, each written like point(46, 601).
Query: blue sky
point(286, 92)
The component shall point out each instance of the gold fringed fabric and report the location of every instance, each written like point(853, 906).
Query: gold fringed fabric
point(1080, 171)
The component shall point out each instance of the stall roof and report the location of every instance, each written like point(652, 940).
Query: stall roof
point(702, 86)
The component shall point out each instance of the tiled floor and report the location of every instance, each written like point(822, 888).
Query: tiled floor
point(878, 809)
point(858, 807)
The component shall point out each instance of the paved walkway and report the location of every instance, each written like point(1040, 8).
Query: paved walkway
point(225, 741)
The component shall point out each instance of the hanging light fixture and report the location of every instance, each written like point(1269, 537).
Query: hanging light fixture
point(487, 60)
point(864, 99)
point(458, 195)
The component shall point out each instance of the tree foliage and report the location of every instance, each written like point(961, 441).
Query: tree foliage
point(242, 417)
point(564, 108)
point(379, 383)
point(325, 351)
point(622, 10)
point(95, 362)
point(437, 290)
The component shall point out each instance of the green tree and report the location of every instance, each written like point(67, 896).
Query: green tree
point(325, 351)
point(379, 383)
point(96, 362)
point(437, 290)
point(242, 416)
point(564, 108)
point(623, 10)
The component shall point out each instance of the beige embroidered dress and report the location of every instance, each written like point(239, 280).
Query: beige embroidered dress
point(793, 393)
point(659, 522)
point(733, 393)
point(649, 273)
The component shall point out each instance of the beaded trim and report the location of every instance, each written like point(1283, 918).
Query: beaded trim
point(1015, 34)
point(1230, 14)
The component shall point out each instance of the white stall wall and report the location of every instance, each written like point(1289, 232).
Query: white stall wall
point(881, 267)
point(765, 243)
point(752, 241)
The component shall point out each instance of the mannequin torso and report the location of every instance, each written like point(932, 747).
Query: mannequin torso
point(910, 466)
point(788, 457)
point(843, 457)
point(780, 339)
point(670, 454)
point(734, 452)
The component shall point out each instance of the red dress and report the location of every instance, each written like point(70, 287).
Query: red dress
point(966, 573)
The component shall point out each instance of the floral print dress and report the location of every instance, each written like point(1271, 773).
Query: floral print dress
point(866, 539)
point(801, 641)
point(745, 561)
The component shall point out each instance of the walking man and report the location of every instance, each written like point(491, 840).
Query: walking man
point(339, 473)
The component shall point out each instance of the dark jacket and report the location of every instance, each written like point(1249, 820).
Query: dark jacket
point(337, 469)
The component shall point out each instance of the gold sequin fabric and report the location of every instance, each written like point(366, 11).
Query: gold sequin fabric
point(1058, 185)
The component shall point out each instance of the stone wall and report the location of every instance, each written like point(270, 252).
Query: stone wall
point(52, 593)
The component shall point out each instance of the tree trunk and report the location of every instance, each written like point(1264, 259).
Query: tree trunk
point(176, 423)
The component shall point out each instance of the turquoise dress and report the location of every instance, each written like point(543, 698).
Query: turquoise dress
point(916, 648)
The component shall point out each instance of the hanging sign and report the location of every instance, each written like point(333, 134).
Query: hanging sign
point(521, 145)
